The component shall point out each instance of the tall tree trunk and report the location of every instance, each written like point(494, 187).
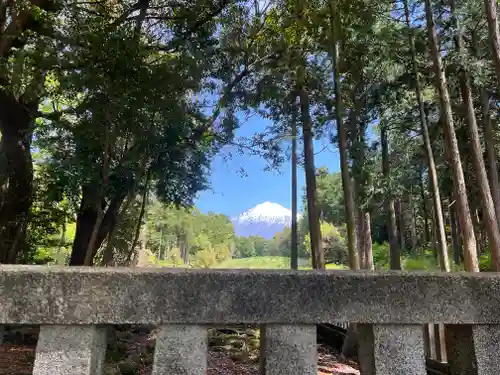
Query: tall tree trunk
point(368, 246)
point(455, 235)
point(469, 240)
point(490, 7)
point(142, 212)
point(488, 209)
point(360, 237)
point(489, 142)
point(436, 195)
point(425, 211)
point(435, 245)
point(395, 250)
point(312, 211)
point(88, 216)
point(108, 255)
point(89, 252)
point(86, 220)
point(294, 252)
point(112, 217)
point(161, 253)
point(350, 343)
point(62, 242)
point(401, 224)
point(358, 179)
point(16, 127)
point(342, 139)
point(411, 221)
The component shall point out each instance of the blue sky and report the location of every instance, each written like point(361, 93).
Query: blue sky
point(231, 193)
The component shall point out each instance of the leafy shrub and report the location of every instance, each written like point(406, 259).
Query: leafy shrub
point(485, 262)
point(380, 255)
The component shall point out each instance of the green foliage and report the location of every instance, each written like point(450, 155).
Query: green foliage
point(424, 261)
point(123, 110)
point(187, 234)
point(269, 262)
point(330, 196)
point(380, 255)
point(485, 264)
point(333, 244)
point(244, 248)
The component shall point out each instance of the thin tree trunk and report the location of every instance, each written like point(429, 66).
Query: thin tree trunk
point(488, 209)
point(360, 237)
point(455, 235)
point(294, 252)
point(161, 253)
point(489, 142)
point(412, 221)
point(408, 215)
point(490, 7)
point(368, 246)
point(436, 195)
point(85, 223)
point(470, 249)
point(185, 251)
point(395, 250)
point(435, 245)
point(342, 139)
point(141, 216)
point(314, 226)
point(350, 343)
point(62, 241)
point(89, 253)
point(358, 181)
point(108, 254)
point(401, 222)
point(425, 211)
point(107, 258)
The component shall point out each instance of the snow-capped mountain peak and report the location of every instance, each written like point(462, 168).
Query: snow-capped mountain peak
point(264, 220)
point(267, 211)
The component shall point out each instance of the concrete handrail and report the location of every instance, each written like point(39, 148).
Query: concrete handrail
point(73, 304)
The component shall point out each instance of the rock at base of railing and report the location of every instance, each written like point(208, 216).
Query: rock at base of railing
point(75, 350)
point(389, 349)
point(288, 349)
point(181, 349)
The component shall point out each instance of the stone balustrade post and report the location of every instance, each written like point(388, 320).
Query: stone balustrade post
point(390, 349)
point(75, 350)
point(181, 349)
point(288, 349)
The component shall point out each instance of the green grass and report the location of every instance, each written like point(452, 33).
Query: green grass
point(267, 262)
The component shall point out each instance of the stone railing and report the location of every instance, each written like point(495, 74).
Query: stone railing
point(74, 305)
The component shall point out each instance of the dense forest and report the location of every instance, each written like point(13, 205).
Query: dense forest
point(112, 111)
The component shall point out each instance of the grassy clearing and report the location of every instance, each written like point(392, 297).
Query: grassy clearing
point(268, 262)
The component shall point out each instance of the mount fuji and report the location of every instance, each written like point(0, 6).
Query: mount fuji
point(265, 220)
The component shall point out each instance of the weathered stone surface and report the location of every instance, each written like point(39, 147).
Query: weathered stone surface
point(181, 349)
point(391, 349)
point(63, 350)
point(288, 349)
point(84, 295)
point(487, 347)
